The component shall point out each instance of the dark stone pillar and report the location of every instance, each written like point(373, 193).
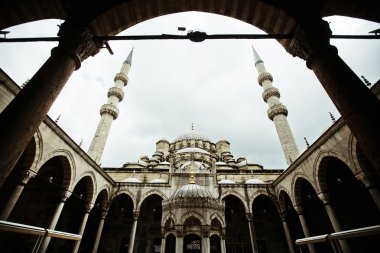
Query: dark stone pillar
point(358, 106)
point(22, 117)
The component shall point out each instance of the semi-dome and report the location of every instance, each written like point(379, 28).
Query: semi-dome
point(192, 191)
point(254, 181)
point(158, 181)
point(226, 181)
point(131, 180)
point(192, 135)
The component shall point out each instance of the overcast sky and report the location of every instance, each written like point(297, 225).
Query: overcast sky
point(174, 83)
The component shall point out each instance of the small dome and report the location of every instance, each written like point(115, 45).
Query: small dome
point(192, 135)
point(226, 181)
point(131, 180)
point(158, 181)
point(254, 181)
point(220, 163)
point(192, 191)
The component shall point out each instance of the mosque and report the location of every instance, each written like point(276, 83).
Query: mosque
point(192, 195)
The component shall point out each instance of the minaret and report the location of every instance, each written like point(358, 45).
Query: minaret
point(109, 111)
point(277, 112)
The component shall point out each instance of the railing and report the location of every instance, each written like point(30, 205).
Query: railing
point(42, 233)
point(342, 235)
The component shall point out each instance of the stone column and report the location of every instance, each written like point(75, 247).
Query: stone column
point(305, 227)
point(82, 226)
point(223, 244)
point(24, 179)
point(252, 232)
point(358, 106)
point(372, 189)
point(179, 239)
point(99, 232)
point(325, 198)
point(205, 239)
point(64, 196)
point(287, 232)
point(22, 117)
point(133, 232)
point(163, 244)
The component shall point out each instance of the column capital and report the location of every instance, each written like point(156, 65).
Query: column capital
point(283, 216)
point(136, 215)
point(310, 36)
point(205, 231)
point(25, 176)
point(179, 230)
point(64, 195)
point(299, 209)
point(365, 179)
point(77, 41)
point(325, 197)
point(249, 216)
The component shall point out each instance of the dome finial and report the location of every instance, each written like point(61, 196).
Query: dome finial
point(192, 126)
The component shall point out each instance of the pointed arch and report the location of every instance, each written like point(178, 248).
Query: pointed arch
point(195, 214)
point(320, 167)
point(280, 194)
point(68, 164)
point(150, 193)
point(238, 195)
point(296, 187)
point(170, 215)
point(269, 196)
point(126, 192)
point(89, 178)
point(219, 218)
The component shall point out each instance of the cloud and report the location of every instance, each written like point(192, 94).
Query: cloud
point(174, 83)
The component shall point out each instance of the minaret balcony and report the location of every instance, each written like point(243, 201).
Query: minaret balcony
point(122, 77)
point(272, 91)
point(264, 77)
point(109, 109)
point(278, 109)
point(117, 92)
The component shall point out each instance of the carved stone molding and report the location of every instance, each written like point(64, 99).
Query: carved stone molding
point(115, 91)
point(309, 37)
point(272, 91)
point(122, 77)
point(77, 41)
point(277, 110)
point(110, 109)
point(263, 77)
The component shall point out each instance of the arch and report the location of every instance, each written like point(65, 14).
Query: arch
point(126, 192)
point(282, 192)
point(89, 178)
point(38, 144)
point(193, 214)
point(239, 196)
point(320, 167)
point(68, 163)
point(219, 218)
point(148, 194)
point(106, 188)
point(262, 192)
point(170, 215)
point(269, 196)
point(104, 195)
point(296, 188)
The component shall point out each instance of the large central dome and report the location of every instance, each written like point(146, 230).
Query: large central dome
point(192, 191)
point(192, 135)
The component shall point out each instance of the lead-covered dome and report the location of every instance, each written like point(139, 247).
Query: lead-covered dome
point(192, 135)
point(192, 191)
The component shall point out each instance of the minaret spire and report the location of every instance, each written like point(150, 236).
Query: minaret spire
point(109, 111)
point(277, 112)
